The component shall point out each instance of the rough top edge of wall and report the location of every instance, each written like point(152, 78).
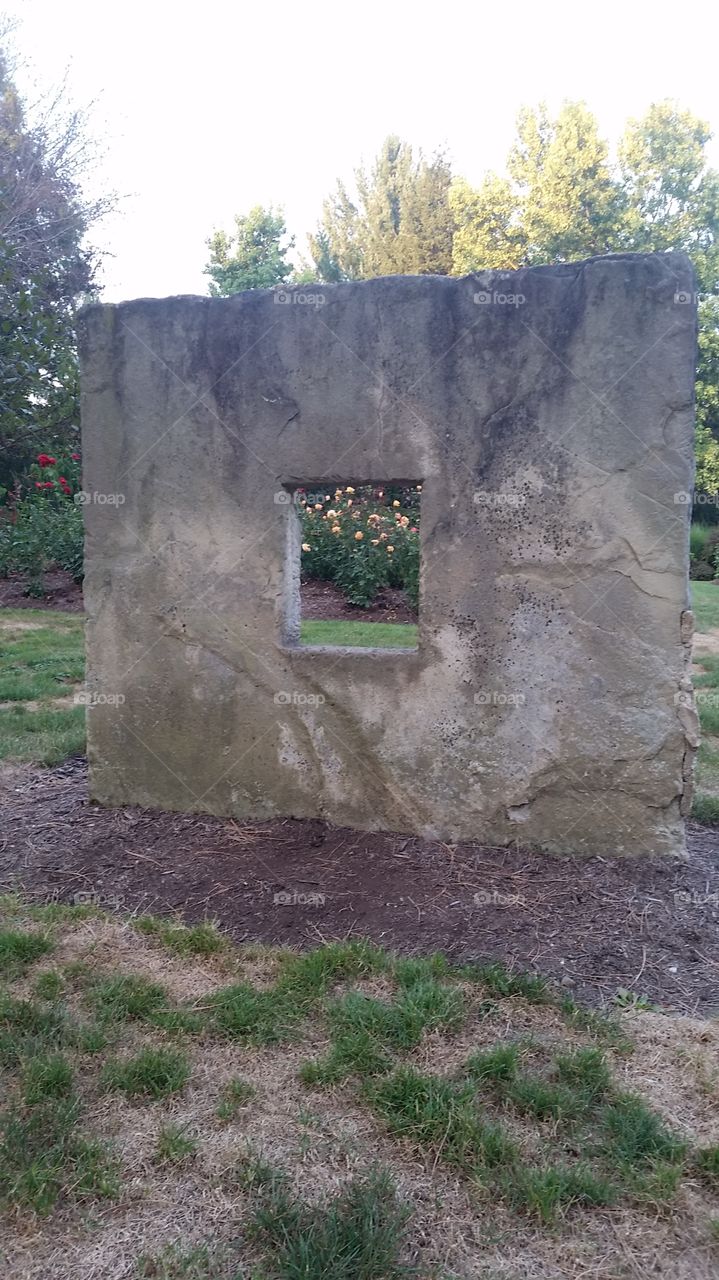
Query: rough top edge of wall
point(677, 262)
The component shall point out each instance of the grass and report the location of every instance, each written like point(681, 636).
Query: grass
point(28, 1028)
point(535, 1126)
point(47, 1076)
point(235, 1095)
point(19, 949)
point(174, 1146)
point(125, 996)
point(367, 635)
point(707, 1164)
point(705, 604)
point(627, 1150)
point(204, 939)
point(440, 1116)
point(358, 1235)
point(43, 1157)
point(152, 1073)
point(41, 660)
point(199, 1262)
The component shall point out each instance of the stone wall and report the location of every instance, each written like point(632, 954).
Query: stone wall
point(548, 414)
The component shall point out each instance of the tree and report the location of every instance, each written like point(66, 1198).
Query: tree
point(398, 222)
point(559, 201)
point(46, 269)
point(253, 257)
point(488, 233)
point(672, 197)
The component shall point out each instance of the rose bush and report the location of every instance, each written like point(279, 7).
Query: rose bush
point(362, 538)
point(41, 526)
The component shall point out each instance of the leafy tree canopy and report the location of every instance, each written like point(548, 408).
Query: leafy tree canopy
point(46, 269)
point(254, 256)
point(398, 221)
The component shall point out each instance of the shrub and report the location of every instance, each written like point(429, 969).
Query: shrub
point(43, 527)
point(362, 539)
point(702, 571)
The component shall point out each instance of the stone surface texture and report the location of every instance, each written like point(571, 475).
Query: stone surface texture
point(548, 414)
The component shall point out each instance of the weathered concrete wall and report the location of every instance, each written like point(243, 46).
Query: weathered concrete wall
point(548, 414)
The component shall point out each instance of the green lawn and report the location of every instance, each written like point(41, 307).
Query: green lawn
point(705, 603)
point(368, 635)
point(42, 664)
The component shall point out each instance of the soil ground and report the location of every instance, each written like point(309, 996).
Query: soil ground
point(325, 600)
point(319, 600)
point(649, 925)
point(60, 593)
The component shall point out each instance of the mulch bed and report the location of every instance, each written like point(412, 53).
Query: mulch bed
point(60, 593)
point(325, 600)
point(650, 924)
point(319, 600)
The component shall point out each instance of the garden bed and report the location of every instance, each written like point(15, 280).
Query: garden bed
point(60, 592)
point(323, 600)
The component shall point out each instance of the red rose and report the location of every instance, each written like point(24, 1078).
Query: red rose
point(75, 457)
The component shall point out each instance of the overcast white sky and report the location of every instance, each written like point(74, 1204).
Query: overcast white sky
point(205, 109)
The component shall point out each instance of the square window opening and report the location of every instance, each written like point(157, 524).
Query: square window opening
point(353, 565)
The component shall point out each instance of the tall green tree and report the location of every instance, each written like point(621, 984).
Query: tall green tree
point(399, 221)
point(253, 256)
point(558, 201)
point(46, 270)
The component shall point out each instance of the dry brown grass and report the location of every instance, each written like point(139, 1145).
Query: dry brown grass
point(322, 1136)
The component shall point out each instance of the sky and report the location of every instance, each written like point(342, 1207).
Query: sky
point(203, 110)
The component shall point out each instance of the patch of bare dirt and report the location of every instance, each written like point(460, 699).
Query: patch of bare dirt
point(60, 592)
point(596, 924)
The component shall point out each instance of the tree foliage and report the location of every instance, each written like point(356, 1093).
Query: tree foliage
point(46, 269)
point(254, 256)
point(399, 221)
